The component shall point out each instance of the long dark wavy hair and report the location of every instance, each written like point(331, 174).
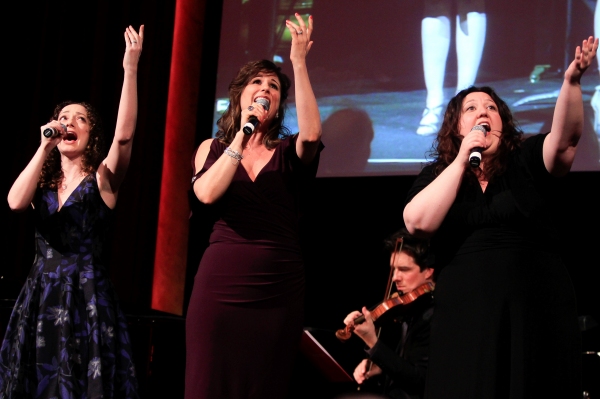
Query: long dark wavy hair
point(230, 122)
point(94, 153)
point(447, 143)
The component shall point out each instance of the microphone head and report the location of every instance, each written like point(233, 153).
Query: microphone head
point(264, 102)
point(483, 128)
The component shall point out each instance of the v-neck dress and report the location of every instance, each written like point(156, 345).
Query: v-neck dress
point(245, 317)
point(67, 336)
point(505, 322)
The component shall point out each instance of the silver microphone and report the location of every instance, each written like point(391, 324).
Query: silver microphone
point(475, 156)
point(253, 120)
point(52, 132)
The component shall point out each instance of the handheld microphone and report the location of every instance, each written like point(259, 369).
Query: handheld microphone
point(253, 120)
point(52, 132)
point(475, 156)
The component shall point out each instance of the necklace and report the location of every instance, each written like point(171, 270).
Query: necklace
point(63, 187)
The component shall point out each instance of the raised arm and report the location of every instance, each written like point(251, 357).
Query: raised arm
point(567, 123)
point(112, 170)
point(309, 118)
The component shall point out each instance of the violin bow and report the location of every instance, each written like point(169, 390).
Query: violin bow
point(388, 291)
point(388, 288)
point(397, 250)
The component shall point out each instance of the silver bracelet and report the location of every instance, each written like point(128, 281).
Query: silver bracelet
point(234, 154)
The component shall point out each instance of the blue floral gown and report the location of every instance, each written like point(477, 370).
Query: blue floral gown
point(67, 336)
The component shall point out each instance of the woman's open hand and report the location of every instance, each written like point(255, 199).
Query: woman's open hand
point(584, 55)
point(300, 33)
point(133, 47)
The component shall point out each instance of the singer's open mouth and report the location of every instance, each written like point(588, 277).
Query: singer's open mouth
point(70, 137)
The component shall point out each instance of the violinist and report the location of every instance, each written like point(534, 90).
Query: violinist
point(397, 352)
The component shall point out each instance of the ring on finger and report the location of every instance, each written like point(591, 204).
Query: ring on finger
point(299, 32)
point(250, 108)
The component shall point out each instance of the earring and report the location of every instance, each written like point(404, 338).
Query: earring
point(277, 115)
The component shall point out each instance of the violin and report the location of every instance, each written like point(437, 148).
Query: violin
point(385, 307)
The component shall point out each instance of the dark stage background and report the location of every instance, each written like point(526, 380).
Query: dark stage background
point(59, 50)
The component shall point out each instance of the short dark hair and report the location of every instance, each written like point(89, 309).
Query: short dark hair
point(418, 248)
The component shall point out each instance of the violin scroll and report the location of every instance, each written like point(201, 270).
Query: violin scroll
point(344, 334)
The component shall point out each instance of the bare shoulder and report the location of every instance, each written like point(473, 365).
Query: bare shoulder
point(202, 153)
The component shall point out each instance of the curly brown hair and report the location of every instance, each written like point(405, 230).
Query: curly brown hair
point(230, 122)
point(94, 153)
point(447, 143)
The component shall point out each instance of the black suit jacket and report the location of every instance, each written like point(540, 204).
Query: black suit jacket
point(402, 351)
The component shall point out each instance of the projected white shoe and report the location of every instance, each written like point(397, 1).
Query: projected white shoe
point(430, 121)
point(596, 107)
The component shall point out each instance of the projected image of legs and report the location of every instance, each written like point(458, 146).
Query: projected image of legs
point(435, 41)
point(383, 84)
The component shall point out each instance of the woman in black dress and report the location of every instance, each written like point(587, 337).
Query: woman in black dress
point(505, 322)
point(245, 317)
point(67, 335)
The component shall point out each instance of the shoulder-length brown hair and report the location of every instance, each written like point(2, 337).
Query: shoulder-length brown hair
point(447, 143)
point(230, 122)
point(94, 152)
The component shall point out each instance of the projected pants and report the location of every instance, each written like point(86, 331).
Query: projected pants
point(435, 39)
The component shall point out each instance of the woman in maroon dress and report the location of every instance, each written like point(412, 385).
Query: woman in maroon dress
point(245, 316)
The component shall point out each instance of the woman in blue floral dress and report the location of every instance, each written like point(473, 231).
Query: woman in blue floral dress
point(67, 336)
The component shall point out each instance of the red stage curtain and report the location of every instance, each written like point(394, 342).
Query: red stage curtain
point(172, 234)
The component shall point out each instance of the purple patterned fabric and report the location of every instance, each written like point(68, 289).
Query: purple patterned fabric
point(67, 336)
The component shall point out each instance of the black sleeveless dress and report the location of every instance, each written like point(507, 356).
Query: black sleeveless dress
point(67, 336)
point(245, 317)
